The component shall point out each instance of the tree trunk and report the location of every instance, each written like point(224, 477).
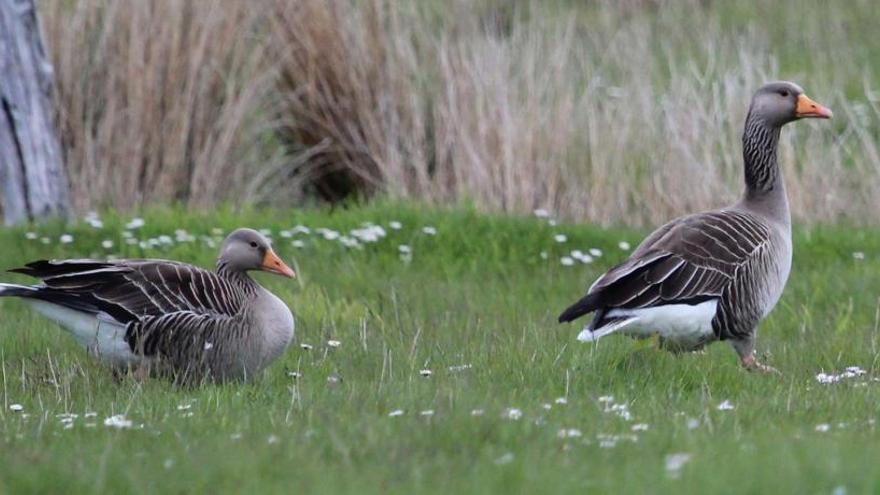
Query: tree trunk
point(33, 184)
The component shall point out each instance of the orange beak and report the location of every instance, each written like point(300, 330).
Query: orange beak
point(273, 264)
point(807, 108)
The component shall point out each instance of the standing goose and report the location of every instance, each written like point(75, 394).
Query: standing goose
point(178, 319)
point(713, 275)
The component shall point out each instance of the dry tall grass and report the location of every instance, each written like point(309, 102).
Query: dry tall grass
point(626, 112)
point(159, 101)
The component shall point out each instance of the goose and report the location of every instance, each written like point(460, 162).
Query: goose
point(713, 275)
point(172, 318)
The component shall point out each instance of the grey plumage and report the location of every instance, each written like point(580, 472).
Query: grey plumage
point(177, 318)
point(731, 263)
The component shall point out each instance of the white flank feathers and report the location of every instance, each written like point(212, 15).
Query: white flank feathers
point(684, 323)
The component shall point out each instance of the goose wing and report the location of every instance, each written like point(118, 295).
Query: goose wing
point(687, 261)
point(132, 290)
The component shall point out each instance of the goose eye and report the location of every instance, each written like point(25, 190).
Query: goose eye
point(253, 244)
point(784, 93)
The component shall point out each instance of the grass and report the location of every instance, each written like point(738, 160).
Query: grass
point(477, 293)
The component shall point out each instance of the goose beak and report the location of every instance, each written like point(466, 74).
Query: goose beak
point(273, 264)
point(807, 108)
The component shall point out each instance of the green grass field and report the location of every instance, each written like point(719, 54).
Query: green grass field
point(513, 404)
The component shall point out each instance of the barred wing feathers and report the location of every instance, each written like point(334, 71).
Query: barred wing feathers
point(135, 289)
point(687, 261)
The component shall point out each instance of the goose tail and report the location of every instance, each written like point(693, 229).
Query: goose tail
point(590, 334)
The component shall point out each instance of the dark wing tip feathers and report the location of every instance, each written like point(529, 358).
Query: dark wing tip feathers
point(52, 268)
point(580, 308)
point(29, 268)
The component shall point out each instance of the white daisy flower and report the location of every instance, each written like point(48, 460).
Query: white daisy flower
point(428, 230)
point(566, 260)
point(66, 239)
point(560, 238)
point(181, 235)
point(369, 233)
point(726, 406)
point(349, 242)
point(135, 223)
point(581, 256)
point(623, 245)
point(95, 223)
point(118, 421)
point(330, 235)
point(621, 410)
point(674, 463)
point(395, 225)
point(395, 413)
point(569, 433)
point(512, 413)
point(334, 343)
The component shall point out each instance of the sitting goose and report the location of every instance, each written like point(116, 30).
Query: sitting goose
point(713, 275)
point(178, 319)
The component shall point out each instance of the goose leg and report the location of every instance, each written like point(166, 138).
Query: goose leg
point(142, 372)
point(750, 362)
point(747, 355)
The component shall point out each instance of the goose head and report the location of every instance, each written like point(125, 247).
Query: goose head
point(246, 249)
point(778, 103)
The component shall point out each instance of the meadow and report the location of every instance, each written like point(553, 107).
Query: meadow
point(428, 360)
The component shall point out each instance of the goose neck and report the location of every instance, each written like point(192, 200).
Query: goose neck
point(765, 189)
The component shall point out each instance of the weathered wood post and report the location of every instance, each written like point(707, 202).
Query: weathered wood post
point(33, 184)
